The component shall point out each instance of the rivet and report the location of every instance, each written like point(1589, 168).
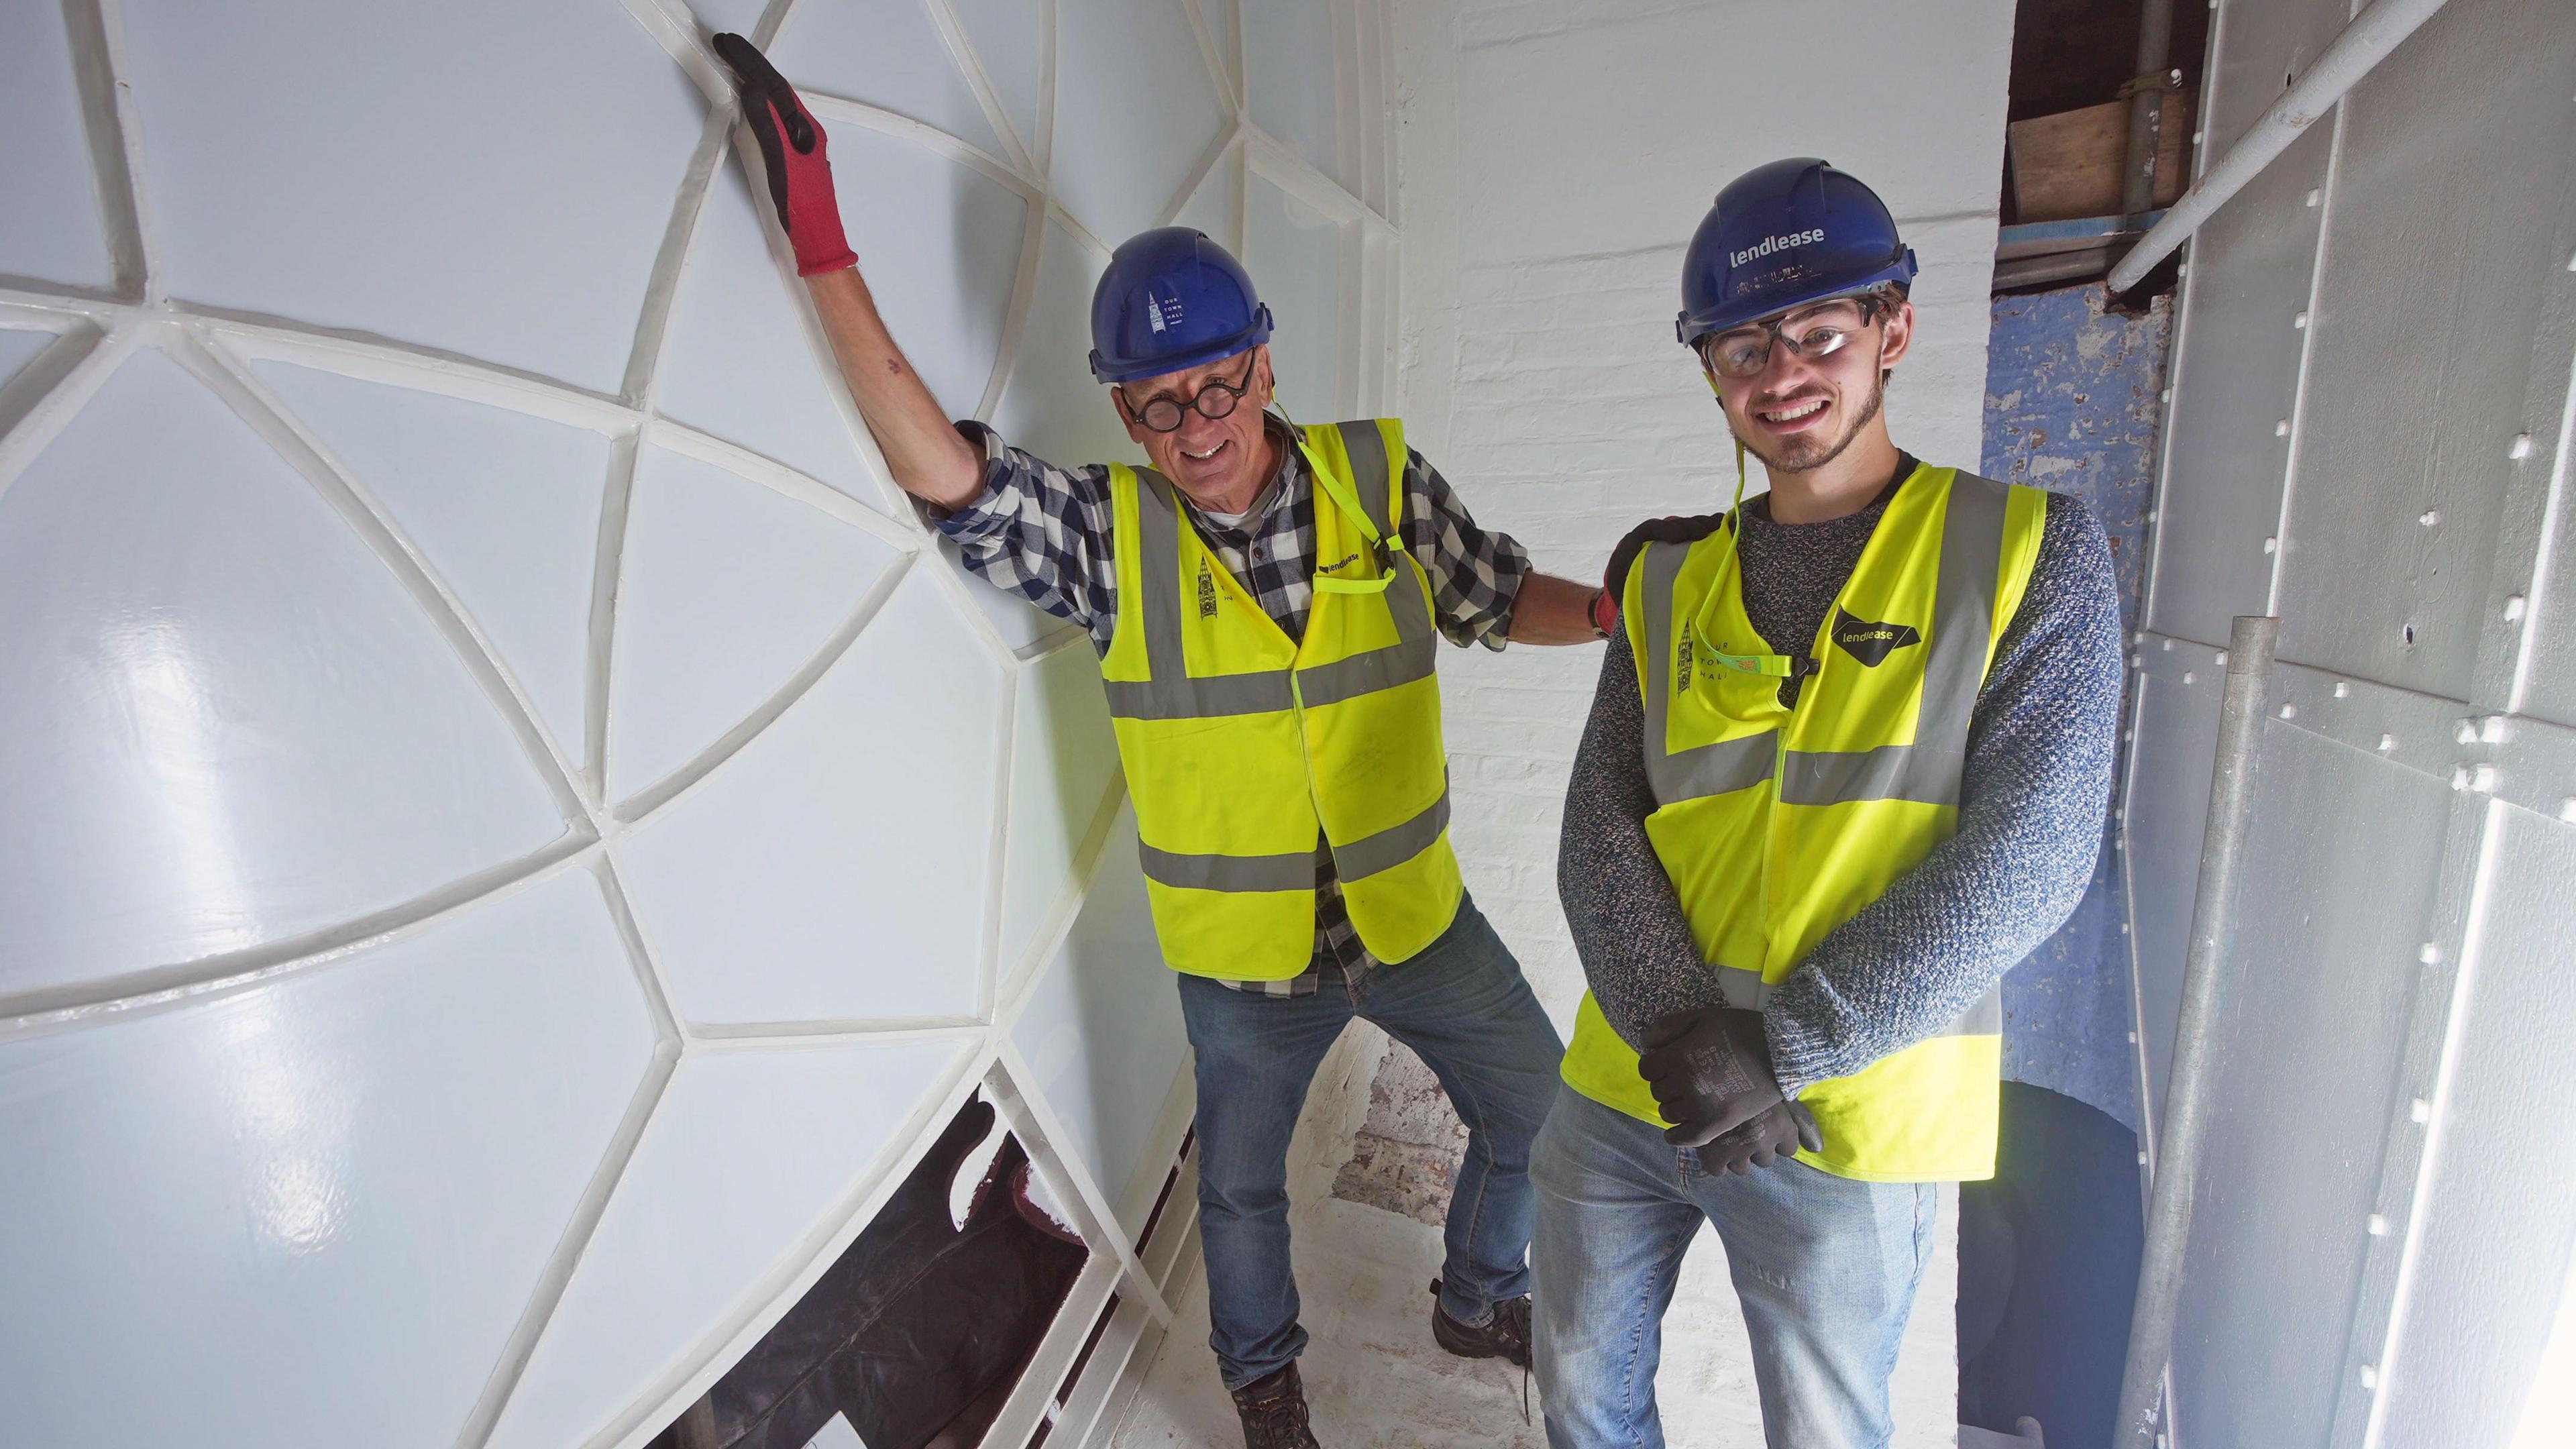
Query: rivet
point(2196, 137)
point(2289, 711)
point(2142, 1161)
point(2343, 689)
point(2315, 196)
point(2133, 1038)
point(2281, 428)
point(2124, 928)
point(2369, 1377)
point(2467, 733)
point(2377, 1226)
point(2165, 396)
point(2513, 608)
point(2420, 1110)
point(2494, 729)
point(2429, 954)
point(2271, 546)
point(2300, 320)
point(2429, 517)
point(2127, 735)
point(2459, 777)
point(2186, 676)
point(2137, 661)
point(2168, 646)
point(2484, 781)
point(2567, 810)
point(2139, 638)
point(2218, 657)
point(2150, 515)
point(2521, 448)
point(2387, 743)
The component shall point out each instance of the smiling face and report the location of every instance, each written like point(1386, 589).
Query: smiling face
point(1800, 413)
point(1220, 463)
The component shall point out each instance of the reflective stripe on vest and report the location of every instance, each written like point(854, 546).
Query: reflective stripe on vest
point(1770, 847)
point(1310, 748)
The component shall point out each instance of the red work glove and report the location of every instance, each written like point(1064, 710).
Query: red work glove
point(792, 146)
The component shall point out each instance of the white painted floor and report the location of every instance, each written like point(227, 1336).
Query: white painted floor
point(1377, 1381)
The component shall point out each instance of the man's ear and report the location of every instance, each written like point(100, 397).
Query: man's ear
point(1265, 383)
point(1900, 334)
point(1137, 432)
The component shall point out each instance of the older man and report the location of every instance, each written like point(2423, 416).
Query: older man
point(1263, 598)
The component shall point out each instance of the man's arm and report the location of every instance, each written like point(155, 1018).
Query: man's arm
point(923, 451)
point(1635, 944)
point(1482, 587)
point(2031, 799)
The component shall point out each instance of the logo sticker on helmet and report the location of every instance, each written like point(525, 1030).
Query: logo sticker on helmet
point(1870, 642)
point(1770, 244)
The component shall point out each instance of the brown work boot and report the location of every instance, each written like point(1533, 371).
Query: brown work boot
point(1273, 1407)
point(1505, 1336)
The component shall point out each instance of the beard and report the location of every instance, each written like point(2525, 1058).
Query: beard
point(1804, 452)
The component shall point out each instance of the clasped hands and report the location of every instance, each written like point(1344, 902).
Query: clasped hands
point(1710, 1071)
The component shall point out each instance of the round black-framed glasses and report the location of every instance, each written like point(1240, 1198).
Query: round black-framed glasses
point(1216, 398)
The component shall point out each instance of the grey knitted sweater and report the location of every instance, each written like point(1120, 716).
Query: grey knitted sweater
point(2036, 783)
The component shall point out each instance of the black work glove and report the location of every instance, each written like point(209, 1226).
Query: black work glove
point(1775, 1136)
point(1653, 530)
point(1710, 1071)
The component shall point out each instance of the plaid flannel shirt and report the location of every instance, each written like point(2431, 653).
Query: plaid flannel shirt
point(1043, 533)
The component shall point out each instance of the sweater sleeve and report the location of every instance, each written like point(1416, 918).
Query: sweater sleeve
point(2037, 779)
point(1636, 946)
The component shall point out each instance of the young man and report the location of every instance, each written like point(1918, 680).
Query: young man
point(1263, 600)
point(1849, 768)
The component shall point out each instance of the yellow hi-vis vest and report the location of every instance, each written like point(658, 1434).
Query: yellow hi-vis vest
point(1248, 752)
point(1777, 825)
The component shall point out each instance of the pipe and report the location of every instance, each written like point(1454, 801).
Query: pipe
point(2147, 110)
point(2213, 919)
point(2362, 45)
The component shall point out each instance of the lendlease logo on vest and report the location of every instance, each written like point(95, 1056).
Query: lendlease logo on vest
point(1770, 244)
point(1868, 641)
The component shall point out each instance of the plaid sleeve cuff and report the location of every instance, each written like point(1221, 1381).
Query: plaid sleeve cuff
point(1475, 573)
point(991, 511)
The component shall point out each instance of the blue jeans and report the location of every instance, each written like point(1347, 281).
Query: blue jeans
point(1463, 1007)
point(1825, 1268)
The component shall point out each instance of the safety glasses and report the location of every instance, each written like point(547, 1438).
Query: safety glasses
point(1216, 398)
point(1810, 332)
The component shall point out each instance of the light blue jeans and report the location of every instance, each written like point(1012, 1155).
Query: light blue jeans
point(1463, 1006)
point(1825, 1268)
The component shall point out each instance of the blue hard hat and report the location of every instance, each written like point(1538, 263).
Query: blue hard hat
point(1782, 235)
point(1171, 300)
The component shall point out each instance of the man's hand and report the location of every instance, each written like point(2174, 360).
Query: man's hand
point(1614, 579)
point(1775, 1136)
point(1710, 1071)
point(792, 149)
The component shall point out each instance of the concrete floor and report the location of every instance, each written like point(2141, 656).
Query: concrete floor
point(1377, 1381)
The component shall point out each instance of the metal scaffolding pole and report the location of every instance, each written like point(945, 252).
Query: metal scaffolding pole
point(2213, 919)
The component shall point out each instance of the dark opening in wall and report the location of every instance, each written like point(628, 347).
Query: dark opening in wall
point(918, 1333)
point(2068, 123)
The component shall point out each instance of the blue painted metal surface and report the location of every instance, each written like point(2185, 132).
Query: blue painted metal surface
point(2071, 406)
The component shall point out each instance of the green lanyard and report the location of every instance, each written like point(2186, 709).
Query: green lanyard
point(1349, 503)
point(1777, 666)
